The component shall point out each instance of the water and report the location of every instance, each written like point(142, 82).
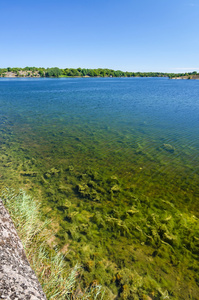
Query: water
point(119, 123)
point(123, 124)
point(111, 160)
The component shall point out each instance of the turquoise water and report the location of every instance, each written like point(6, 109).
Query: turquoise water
point(145, 129)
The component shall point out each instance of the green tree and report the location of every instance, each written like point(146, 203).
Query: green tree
point(53, 72)
point(41, 73)
point(84, 72)
point(91, 73)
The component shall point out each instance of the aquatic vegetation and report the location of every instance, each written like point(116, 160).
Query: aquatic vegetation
point(58, 281)
point(121, 193)
point(144, 235)
point(142, 229)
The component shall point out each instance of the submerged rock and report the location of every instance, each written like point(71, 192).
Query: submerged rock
point(168, 148)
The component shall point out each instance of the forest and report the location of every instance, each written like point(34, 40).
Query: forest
point(83, 72)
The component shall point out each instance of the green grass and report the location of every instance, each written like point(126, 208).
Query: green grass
point(57, 281)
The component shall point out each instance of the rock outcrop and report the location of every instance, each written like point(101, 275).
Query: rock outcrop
point(17, 279)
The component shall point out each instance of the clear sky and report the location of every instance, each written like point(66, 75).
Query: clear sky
point(130, 35)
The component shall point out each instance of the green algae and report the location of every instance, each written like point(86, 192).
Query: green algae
point(125, 204)
point(133, 242)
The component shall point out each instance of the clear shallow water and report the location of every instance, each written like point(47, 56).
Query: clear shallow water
point(114, 163)
point(144, 130)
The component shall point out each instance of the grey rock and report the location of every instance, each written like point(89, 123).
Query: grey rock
point(17, 279)
point(168, 148)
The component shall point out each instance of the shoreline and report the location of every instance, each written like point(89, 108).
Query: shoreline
point(83, 77)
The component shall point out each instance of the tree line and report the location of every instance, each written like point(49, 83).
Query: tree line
point(83, 72)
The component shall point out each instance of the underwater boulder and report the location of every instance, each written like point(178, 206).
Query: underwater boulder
point(168, 148)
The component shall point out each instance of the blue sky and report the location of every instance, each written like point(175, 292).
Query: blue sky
point(130, 35)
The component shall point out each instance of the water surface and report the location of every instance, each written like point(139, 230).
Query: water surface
point(145, 129)
point(115, 165)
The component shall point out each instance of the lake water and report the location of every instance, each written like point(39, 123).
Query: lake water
point(115, 164)
point(145, 129)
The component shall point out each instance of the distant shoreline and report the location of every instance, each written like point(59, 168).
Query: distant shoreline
point(196, 77)
point(36, 77)
point(33, 72)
